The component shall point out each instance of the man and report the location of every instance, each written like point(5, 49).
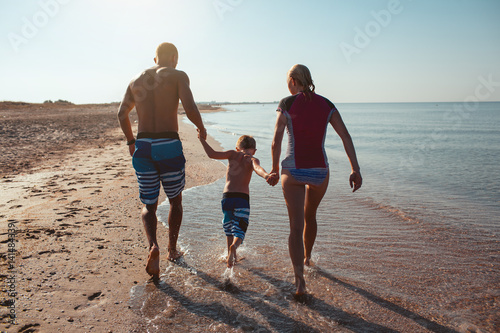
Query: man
point(157, 153)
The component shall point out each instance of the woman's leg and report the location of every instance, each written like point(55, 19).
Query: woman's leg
point(314, 194)
point(294, 193)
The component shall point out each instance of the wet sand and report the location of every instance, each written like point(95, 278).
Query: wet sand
point(69, 191)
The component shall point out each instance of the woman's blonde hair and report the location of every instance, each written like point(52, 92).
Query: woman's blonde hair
point(302, 74)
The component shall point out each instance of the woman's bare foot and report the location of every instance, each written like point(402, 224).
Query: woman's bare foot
point(300, 283)
point(153, 264)
point(308, 261)
point(173, 255)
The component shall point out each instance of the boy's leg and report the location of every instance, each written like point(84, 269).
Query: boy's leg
point(314, 195)
point(174, 225)
point(230, 240)
point(231, 258)
point(150, 222)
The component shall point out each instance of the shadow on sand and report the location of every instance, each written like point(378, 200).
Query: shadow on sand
point(422, 321)
point(221, 313)
point(271, 308)
point(342, 318)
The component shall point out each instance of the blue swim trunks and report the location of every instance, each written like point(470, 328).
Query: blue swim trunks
point(236, 210)
point(158, 158)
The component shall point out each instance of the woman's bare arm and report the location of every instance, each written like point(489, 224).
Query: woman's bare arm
point(279, 130)
point(355, 179)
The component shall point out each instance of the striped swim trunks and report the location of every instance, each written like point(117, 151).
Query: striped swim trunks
point(313, 176)
point(236, 210)
point(158, 158)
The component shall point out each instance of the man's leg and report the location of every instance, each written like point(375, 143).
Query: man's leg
point(174, 225)
point(150, 222)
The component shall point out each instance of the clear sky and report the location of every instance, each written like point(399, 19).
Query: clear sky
point(87, 51)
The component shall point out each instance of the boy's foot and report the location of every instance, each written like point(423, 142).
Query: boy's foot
point(173, 255)
point(231, 258)
point(153, 264)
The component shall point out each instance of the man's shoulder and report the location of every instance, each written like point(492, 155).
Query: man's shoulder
point(161, 71)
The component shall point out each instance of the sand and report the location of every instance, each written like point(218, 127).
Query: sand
point(69, 192)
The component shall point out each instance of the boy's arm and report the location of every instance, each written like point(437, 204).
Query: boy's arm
point(217, 155)
point(259, 169)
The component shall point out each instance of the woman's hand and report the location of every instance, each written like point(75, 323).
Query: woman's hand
point(355, 180)
point(273, 179)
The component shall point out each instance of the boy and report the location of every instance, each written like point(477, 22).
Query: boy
point(235, 198)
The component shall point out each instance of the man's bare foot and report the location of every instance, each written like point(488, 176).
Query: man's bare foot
point(173, 255)
point(231, 258)
point(153, 264)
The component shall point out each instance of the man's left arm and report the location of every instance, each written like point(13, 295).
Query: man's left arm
point(126, 106)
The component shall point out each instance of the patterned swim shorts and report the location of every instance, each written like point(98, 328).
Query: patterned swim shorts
point(236, 210)
point(159, 160)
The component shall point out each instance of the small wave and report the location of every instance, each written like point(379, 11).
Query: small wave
point(391, 210)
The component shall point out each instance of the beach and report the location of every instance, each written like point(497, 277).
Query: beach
point(405, 253)
point(69, 192)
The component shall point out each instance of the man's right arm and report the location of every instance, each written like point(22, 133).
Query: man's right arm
point(189, 104)
point(217, 155)
point(126, 106)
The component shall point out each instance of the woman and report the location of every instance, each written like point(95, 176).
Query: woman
point(305, 173)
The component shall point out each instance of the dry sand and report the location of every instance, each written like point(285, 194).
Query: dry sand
point(69, 191)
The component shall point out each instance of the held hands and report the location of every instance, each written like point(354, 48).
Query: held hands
point(272, 178)
point(355, 180)
point(202, 134)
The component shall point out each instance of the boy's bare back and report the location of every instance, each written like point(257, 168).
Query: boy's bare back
point(241, 164)
point(239, 172)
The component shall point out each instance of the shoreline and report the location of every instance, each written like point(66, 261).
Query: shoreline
point(79, 244)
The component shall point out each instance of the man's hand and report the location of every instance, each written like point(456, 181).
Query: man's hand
point(355, 180)
point(131, 149)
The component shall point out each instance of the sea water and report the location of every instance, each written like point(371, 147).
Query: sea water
point(418, 245)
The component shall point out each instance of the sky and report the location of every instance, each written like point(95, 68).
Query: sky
point(87, 51)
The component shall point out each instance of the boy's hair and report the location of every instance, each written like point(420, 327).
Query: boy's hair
point(246, 142)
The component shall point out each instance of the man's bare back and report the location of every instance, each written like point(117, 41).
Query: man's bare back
point(155, 94)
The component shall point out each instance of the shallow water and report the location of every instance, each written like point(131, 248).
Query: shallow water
point(417, 249)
